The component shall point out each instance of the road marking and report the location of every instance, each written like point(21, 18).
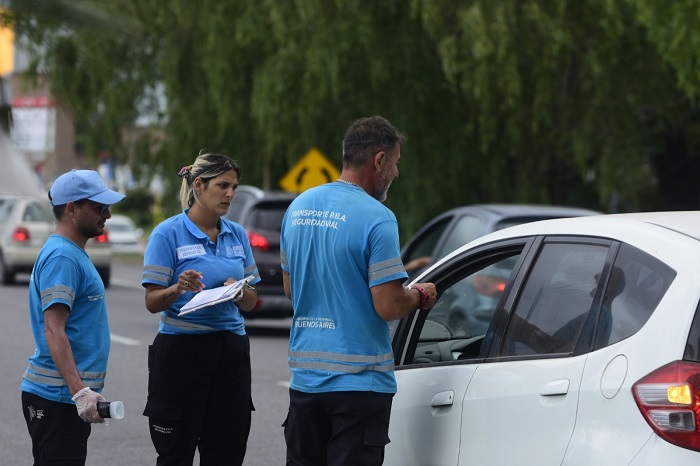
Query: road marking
point(124, 340)
point(283, 383)
point(126, 283)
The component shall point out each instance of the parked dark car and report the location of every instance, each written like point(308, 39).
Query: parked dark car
point(260, 213)
point(456, 227)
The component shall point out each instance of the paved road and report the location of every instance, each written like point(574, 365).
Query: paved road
point(126, 442)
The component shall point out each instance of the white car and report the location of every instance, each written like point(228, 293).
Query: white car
point(25, 223)
point(591, 355)
point(124, 235)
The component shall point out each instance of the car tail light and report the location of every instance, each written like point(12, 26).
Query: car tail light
point(258, 241)
point(489, 285)
point(669, 399)
point(103, 238)
point(20, 235)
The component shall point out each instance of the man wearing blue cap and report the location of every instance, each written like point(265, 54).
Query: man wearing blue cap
point(66, 373)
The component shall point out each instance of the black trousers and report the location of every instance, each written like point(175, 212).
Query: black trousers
point(337, 428)
point(199, 398)
point(59, 436)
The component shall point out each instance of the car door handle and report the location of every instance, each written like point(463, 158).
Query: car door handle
point(443, 399)
point(556, 387)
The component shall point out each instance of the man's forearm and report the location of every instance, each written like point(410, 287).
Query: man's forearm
point(62, 355)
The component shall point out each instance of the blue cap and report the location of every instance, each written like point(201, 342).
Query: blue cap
point(82, 184)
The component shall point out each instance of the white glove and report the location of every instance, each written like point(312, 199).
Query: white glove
point(86, 404)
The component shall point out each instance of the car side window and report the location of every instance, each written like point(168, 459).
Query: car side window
point(423, 246)
point(635, 286)
point(555, 300)
point(466, 229)
point(455, 327)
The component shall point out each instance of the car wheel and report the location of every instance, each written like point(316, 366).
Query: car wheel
point(105, 275)
point(6, 275)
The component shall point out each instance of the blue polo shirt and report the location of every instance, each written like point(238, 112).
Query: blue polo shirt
point(337, 242)
point(176, 245)
point(63, 273)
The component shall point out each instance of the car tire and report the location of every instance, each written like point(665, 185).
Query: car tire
point(7, 276)
point(105, 275)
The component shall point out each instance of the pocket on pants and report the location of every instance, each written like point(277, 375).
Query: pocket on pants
point(377, 435)
point(376, 439)
point(159, 410)
point(164, 421)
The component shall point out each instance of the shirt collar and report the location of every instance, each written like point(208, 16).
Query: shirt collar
point(192, 228)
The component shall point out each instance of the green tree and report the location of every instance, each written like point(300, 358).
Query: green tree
point(501, 101)
point(560, 91)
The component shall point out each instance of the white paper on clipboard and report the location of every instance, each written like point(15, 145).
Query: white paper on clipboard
point(214, 296)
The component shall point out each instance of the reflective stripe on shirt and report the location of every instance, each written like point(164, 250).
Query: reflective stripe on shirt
point(54, 373)
point(57, 292)
point(183, 325)
point(339, 362)
point(53, 377)
point(385, 268)
point(157, 273)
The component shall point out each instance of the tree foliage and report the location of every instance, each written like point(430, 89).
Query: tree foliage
point(501, 101)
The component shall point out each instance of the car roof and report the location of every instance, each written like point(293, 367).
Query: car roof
point(522, 210)
point(263, 194)
point(10, 194)
point(633, 228)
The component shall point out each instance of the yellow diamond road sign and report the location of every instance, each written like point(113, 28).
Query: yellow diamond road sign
point(313, 169)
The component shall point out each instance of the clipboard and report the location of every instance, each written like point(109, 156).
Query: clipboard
point(215, 295)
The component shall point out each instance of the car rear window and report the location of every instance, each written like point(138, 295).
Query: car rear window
point(36, 212)
point(267, 215)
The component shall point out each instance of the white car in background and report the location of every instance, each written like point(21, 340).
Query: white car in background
point(590, 354)
point(25, 224)
point(124, 235)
